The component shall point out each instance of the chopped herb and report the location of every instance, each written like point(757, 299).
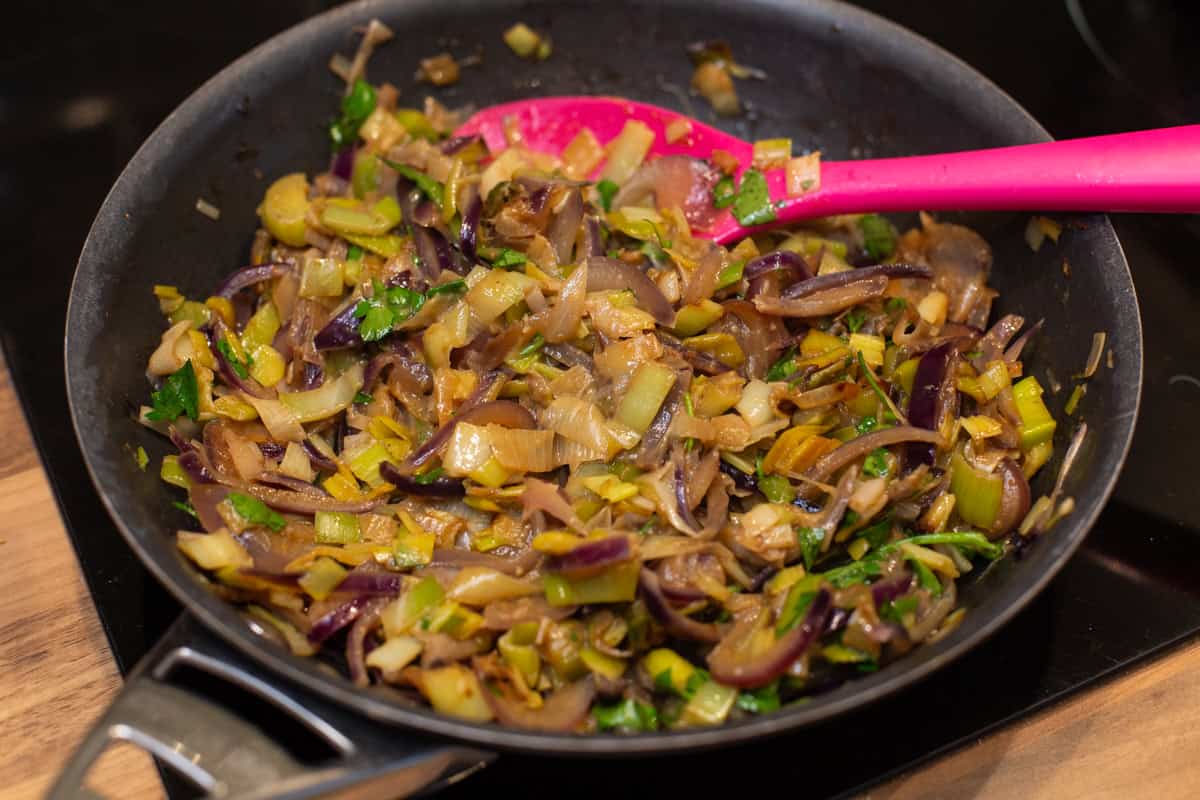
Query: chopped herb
point(386, 308)
point(453, 287)
point(895, 304)
point(799, 598)
point(854, 319)
point(870, 665)
point(876, 463)
point(354, 253)
point(140, 458)
point(850, 517)
point(356, 107)
point(256, 512)
point(695, 681)
point(655, 253)
point(925, 577)
point(179, 395)
point(628, 714)
point(648, 526)
point(763, 700)
point(784, 367)
point(689, 404)
point(841, 654)
point(426, 478)
point(428, 186)
point(662, 681)
point(730, 274)
point(606, 189)
point(897, 609)
point(533, 348)
point(362, 397)
point(241, 368)
point(876, 534)
point(870, 376)
point(506, 259)
point(857, 572)
point(753, 205)
point(878, 236)
point(724, 193)
point(810, 540)
point(866, 424)
point(185, 507)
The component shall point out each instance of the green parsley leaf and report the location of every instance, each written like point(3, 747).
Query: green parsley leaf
point(362, 397)
point(628, 714)
point(179, 394)
point(607, 190)
point(535, 345)
point(878, 236)
point(866, 424)
point(876, 463)
point(855, 318)
point(428, 186)
point(810, 540)
point(785, 366)
point(897, 609)
point(654, 252)
point(239, 367)
point(662, 681)
point(426, 478)
point(649, 524)
point(895, 304)
point(354, 253)
point(256, 512)
point(762, 700)
point(877, 533)
point(507, 259)
point(452, 287)
point(356, 107)
point(385, 309)
point(753, 205)
point(723, 193)
point(925, 577)
point(186, 508)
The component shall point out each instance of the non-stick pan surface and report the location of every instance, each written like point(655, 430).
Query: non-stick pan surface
point(841, 80)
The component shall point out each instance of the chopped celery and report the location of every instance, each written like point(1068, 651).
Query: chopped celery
point(710, 704)
point(617, 584)
point(402, 614)
point(518, 648)
point(648, 388)
point(690, 320)
point(322, 578)
point(671, 672)
point(763, 700)
point(171, 472)
point(336, 527)
point(1037, 425)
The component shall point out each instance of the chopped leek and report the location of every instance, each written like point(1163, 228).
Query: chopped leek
point(1037, 425)
point(617, 584)
point(336, 527)
point(648, 389)
point(322, 578)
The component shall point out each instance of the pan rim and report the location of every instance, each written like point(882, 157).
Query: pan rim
point(222, 620)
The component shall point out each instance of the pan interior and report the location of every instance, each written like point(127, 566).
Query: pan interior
point(840, 80)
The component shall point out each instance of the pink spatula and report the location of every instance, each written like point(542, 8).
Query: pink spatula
point(1155, 170)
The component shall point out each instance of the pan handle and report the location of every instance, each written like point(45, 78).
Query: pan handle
point(175, 705)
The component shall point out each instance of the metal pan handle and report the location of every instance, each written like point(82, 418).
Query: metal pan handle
point(228, 756)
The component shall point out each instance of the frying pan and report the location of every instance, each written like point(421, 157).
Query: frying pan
point(841, 80)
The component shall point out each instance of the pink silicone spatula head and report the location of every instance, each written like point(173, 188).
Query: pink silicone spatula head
point(1156, 170)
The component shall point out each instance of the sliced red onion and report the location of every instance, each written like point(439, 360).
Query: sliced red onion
point(339, 332)
point(433, 252)
point(887, 590)
point(272, 450)
point(654, 441)
point(304, 503)
point(933, 390)
point(504, 614)
point(741, 480)
point(563, 228)
point(453, 557)
point(339, 618)
point(468, 232)
point(835, 280)
point(248, 276)
point(314, 376)
point(342, 164)
point(195, 467)
point(991, 345)
point(456, 144)
point(204, 498)
point(861, 446)
point(675, 181)
point(438, 487)
point(792, 264)
point(500, 412)
point(681, 498)
point(823, 303)
point(564, 711)
point(537, 195)
point(593, 240)
point(318, 459)
point(545, 497)
point(1014, 499)
point(1013, 353)
point(676, 624)
point(569, 355)
point(701, 362)
point(612, 274)
point(368, 620)
point(226, 370)
point(591, 556)
point(727, 667)
point(373, 582)
point(281, 481)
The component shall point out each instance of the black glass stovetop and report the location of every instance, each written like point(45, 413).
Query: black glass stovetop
point(82, 84)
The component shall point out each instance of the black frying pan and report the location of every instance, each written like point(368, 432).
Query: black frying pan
point(841, 80)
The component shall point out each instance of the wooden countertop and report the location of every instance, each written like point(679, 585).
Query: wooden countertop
point(1135, 736)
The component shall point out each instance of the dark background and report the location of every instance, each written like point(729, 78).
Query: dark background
point(82, 84)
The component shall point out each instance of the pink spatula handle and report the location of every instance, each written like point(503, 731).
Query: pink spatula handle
point(1156, 170)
